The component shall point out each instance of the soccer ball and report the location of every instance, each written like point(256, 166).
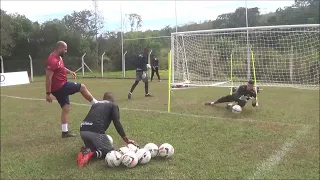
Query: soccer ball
point(166, 150)
point(113, 158)
point(124, 150)
point(236, 109)
point(110, 138)
point(148, 66)
point(130, 159)
point(132, 148)
point(153, 148)
point(144, 156)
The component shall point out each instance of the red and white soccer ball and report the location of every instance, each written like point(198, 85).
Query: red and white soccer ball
point(113, 158)
point(132, 148)
point(166, 150)
point(130, 159)
point(236, 109)
point(152, 148)
point(144, 156)
point(124, 150)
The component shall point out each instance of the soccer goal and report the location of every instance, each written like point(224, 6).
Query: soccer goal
point(281, 56)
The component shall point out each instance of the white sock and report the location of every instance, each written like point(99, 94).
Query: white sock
point(212, 103)
point(64, 127)
point(130, 92)
point(94, 101)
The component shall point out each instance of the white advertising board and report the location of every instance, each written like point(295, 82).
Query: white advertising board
point(14, 78)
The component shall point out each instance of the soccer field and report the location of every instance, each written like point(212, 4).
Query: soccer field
point(279, 139)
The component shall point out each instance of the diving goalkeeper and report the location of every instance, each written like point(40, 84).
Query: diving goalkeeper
point(240, 96)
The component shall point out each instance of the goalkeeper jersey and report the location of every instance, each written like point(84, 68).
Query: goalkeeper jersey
point(140, 63)
point(242, 91)
point(100, 116)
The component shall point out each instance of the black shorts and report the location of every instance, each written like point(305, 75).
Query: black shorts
point(62, 94)
point(96, 141)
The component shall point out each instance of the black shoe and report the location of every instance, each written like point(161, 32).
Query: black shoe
point(148, 95)
point(129, 96)
point(68, 134)
point(85, 150)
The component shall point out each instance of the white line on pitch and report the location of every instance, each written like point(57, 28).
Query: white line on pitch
point(275, 159)
point(164, 112)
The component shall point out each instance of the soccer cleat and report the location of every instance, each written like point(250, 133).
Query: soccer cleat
point(148, 95)
point(209, 103)
point(84, 157)
point(68, 134)
point(80, 156)
point(129, 95)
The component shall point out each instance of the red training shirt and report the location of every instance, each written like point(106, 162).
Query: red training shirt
point(56, 65)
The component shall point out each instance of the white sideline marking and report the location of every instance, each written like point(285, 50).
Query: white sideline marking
point(162, 112)
point(275, 159)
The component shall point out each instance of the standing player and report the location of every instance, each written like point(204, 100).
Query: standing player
point(240, 95)
point(58, 86)
point(155, 68)
point(141, 64)
point(93, 130)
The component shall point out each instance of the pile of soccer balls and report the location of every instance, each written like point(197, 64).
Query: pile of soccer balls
point(131, 155)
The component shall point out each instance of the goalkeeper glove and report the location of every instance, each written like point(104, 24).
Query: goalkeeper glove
point(254, 101)
point(144, 75)
point(244, 98)
point(129, 141)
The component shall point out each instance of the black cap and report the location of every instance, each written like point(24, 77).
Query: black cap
point(250, 82)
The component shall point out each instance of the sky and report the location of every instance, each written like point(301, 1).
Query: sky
point(155, 14)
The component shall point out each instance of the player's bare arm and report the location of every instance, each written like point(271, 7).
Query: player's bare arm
point(49, 75)
point(73, 74)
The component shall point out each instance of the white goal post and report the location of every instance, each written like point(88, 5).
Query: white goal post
point(281, 56)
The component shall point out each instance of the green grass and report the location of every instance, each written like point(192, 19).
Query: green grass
point(209, 142)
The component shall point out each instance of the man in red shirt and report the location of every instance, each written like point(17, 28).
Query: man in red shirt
point(58, 86)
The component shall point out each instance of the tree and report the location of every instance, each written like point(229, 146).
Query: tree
point(84, 23)
point(6, 31)
point(135, 21)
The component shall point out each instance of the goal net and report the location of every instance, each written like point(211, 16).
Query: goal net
point(286, 56)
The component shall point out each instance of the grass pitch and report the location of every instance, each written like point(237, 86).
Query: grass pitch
point(279, 139)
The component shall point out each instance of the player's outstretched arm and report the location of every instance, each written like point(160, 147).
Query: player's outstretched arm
point(253, 98)
point(118, 125)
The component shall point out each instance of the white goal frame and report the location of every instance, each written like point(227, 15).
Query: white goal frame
point(186, 82)
point(248, 52)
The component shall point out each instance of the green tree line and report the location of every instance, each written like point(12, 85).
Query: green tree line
point(21, 37)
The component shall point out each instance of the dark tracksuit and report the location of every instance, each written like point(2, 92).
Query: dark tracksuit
point(155, 68)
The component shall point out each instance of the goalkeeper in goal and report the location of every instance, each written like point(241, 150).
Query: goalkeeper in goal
point(141, 65)
point(239, 96)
